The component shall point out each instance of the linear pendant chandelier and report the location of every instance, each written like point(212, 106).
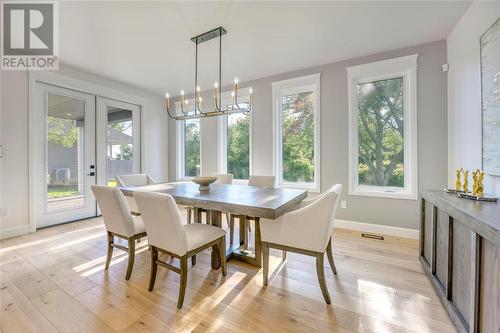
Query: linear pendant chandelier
point(218, 110)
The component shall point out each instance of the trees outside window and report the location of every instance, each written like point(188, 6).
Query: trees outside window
point(191, 147)
point(188, 144)
point(297, 132)
point(381, 133)
point(298, 137)
point(235, 138)
point(238, 145)
point(382, 128)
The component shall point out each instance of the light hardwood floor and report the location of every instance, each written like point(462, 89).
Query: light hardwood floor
point(53, 281)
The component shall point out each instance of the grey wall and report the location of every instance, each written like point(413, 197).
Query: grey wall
point(432, 145)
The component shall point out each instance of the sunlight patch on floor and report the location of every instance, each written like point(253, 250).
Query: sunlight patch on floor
point(113, 262)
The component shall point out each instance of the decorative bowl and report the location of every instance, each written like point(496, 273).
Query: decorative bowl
point(204, 182)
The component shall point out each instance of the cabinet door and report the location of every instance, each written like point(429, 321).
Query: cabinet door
point(461, 271)
point(489, 299)
point(442, 247)
point(428, 231)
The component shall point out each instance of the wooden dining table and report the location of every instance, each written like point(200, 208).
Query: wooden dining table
point(241, 200)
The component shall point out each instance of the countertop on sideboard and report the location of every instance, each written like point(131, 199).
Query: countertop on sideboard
point(482, 217)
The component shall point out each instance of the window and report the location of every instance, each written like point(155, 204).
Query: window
point(296, 128)
point(235, 139)
point(188, 145)
point(382, 128)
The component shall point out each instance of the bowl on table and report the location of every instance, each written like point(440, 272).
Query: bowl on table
point(204, 182)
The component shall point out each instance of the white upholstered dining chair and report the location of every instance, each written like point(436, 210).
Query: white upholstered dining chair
point(253, 180)
point(136, 179)
point(119, 222)
point(307, 230)
point(262, 181)
point(163, 223)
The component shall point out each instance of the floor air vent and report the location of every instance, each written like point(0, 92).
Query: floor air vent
point(373, 236)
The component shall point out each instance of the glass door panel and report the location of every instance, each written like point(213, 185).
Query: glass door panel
point(118, 139)
point(63, 155)
point(119, 143)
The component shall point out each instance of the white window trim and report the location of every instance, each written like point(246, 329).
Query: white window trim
point(180, 175)
point(285, 87)
point(405, 67)
point(243, 95)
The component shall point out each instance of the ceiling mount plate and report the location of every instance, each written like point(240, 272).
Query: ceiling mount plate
point(206, 36)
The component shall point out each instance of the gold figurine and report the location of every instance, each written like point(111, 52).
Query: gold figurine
point(480, 186)
point(466, 181)
point(474, 181)
point(458, 184)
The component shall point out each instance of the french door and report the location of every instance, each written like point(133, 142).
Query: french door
point(118, 140)
point(63, 155)
point(76, 145)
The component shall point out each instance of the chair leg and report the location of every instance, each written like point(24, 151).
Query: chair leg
point(283, 255)
point(193, 260)
point(182, 289)
point(321, 277)
point(188, 212)
point(330, 256)
point(109, 255)
point(222, 255)
point(154, 268)
point(131, 257)
point(265, 263)
point(231, 228)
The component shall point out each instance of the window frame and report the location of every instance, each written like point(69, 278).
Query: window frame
point(243, 96)
point(180, 143)
point(282, 88)
point(405, 67)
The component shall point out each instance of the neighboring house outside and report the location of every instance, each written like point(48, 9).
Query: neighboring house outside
point(62, 162)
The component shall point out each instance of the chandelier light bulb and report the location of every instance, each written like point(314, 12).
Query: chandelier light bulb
point(198, 88)
point(182, 92)
point(215, 85)
point(232, 94)
point(187, 101)
point(200, 99)
point(251, 90)
point(235, 80)
point(167, 95)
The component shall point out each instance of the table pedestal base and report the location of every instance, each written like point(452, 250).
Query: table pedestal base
point(240, 251)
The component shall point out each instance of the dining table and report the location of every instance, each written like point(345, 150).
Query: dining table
point(241, 201)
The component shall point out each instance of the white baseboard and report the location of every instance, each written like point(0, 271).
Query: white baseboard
point(14, 231)
point(377, 228)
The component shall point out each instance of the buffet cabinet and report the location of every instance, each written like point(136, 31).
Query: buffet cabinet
point(460, 253)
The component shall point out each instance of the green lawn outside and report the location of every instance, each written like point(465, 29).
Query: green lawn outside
point(54, 192)
point(61, 191)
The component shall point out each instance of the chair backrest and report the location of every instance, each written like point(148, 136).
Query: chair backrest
point(224, 178)
point(336, 190)
point(137, 179)
point(115, 210)
point(162, 221)
point(261, 181)
point(319, 215)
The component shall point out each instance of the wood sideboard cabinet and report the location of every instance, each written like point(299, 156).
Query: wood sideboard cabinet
point(460, 252)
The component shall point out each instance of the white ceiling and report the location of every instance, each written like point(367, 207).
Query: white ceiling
point(147, 44)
